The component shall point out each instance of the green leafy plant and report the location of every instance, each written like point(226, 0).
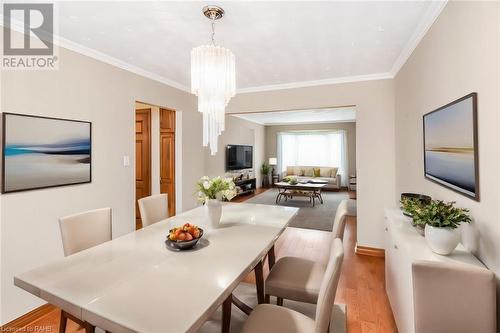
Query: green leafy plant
point(290, 180)
point(440, 214)
point(215, 188)
point(409, 205)
point(265, 169)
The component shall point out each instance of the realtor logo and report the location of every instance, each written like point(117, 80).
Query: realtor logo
point(28, 36)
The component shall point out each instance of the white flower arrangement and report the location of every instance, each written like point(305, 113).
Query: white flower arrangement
point(216, 188)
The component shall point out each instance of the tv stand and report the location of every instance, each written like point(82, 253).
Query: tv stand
point(246, 185)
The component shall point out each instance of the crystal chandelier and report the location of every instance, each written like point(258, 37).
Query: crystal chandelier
point(213, 81)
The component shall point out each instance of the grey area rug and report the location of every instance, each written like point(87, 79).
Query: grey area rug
point(246, 293)
point(319, 217)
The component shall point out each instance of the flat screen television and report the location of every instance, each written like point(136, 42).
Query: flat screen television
point(239, 157)
point(450, 146)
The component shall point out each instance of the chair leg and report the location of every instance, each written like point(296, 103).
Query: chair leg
point(63, 322)
point(279, 301)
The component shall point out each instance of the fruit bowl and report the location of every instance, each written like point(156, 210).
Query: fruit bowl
point(179, 240)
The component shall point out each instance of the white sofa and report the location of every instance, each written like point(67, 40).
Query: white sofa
point(303, 173)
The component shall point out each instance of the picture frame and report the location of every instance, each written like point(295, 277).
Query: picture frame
point(451, 153)
point(43, 152)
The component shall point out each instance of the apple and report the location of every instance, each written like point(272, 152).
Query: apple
point(189, 237)
point(181, 236)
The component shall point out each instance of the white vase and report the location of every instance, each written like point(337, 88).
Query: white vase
point(442, 240)
point(213, 212)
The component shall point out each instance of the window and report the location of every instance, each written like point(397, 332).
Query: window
point(318, 148)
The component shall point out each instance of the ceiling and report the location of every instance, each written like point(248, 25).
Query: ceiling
point(276, 43)
point(310, 116)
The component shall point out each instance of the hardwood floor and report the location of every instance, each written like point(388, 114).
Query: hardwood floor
point(361, 285)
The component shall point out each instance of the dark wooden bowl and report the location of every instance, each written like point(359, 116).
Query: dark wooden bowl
point(183, 245)
point(425, 199)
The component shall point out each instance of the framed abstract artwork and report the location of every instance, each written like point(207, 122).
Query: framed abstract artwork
point(41, 152)
point(451, 146)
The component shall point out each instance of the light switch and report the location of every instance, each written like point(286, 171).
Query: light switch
point(126, 160)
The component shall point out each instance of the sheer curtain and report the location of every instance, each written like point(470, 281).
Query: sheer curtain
point(318, 148)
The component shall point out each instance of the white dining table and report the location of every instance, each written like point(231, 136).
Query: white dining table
point(135, 284)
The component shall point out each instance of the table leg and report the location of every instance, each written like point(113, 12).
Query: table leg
point(226, 314)
point(320, 197)
point(259, 281)
point(271, 257)
point(89, 328)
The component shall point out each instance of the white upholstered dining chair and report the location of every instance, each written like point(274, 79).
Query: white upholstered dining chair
point(299, 279)
point(80, 232)
point(153, 208)
point(267, 318)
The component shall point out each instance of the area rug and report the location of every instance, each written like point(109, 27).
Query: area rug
point(319, 217)
point(246, 293)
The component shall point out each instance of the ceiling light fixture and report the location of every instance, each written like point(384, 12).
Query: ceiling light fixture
point(213, 81)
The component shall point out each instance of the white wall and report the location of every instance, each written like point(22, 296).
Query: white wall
point(238, 132)
point(460, 54)
point(374, 101)
point(86, 89)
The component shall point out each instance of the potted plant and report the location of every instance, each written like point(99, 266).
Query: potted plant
point(441, 221)
point(265, 169)
point(211, 191)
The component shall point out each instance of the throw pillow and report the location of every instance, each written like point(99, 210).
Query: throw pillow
point(334, 172)
point(325, 172)
point(290, 170)
point(308, 172)
point(301, 172)
point(316, 172)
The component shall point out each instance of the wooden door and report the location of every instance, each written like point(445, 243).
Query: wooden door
point(167, 157)
point(142, 159)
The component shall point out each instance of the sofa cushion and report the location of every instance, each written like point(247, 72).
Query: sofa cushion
point(334, 172)
point(299, 171)
point(290, 170)
point(308, 172)
point(325, 172)
point(317, 172)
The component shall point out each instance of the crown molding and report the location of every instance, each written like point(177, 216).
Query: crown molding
point(324, 82)
point(94, 54)
point(430, 16)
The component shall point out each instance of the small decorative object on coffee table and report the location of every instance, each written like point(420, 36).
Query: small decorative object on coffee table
point(211, 192)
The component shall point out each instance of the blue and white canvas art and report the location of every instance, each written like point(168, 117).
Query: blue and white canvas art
point(450, 146)
point(41, 152)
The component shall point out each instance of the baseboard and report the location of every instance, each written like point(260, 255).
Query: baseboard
point(369, 251)
point(18, 324)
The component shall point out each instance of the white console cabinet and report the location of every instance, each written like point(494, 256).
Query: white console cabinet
point(403, 247)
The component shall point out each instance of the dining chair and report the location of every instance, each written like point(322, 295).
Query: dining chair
point(267, 318)
point(299, 279)
point(80, 232)
point(153, 208)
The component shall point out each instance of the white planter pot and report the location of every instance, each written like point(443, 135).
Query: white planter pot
point(213, 212)
point(442, 240)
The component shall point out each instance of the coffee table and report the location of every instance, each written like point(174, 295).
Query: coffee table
point(309, 190)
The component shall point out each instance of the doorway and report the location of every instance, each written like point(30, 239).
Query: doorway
point(162, 155)
point(142, 159)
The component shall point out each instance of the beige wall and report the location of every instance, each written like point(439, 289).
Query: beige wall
point(239, 132)
point(350, 128)
point(460, 54)
point(374, 101)
point(85, 89)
